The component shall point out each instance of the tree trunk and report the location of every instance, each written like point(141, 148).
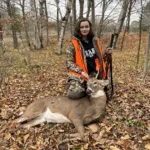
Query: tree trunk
point(74, 18)
point(1, 31)
point(41, 2)
point(121, 19)
point(122, 42)
point(71, 27)
point(11, 14)
point(81, 8)
point(88, 10)
point(140, 34)
point(93, 14)
point(58, 22)
point(147, 57)
point(47, 29)
point(25, 24)
point(129, 15)
point(35, 23)
point(102, 19)
point(15, 39)
point(63, 26)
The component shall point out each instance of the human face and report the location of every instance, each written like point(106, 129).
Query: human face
point(84, 29)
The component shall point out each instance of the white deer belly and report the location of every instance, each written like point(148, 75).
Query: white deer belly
point(54, 117)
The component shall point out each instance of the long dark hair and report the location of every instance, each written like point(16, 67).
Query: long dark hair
point(77, 28)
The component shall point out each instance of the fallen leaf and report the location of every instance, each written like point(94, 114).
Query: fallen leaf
point(101, 133)
point(120, 142)
point(7, 136)
point(82, 148)
point(25, 138)
point(86, 146)
point(61, 131)
point(147, 146)
point(93, 127)
point(125, 137)
point(109, 128)
point(146, 137)
point(114, 148)
point(33, 147)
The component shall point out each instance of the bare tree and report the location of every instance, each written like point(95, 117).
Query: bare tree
point(81, 8)
point(147, 57)
point(47, 29)
point(123, 38)
point(93, 14)
point(121, 19)
point(63, 26)
point(1, 30)
point(140, 33)
point(74, 17)
point(22, 5)
point(131, 3)
point(105, 4)
point(88, 8)
point(71, 26)
point(35, 24)
point(11, 13)
point(42, 4)
point(58, 22)
point(102, 18)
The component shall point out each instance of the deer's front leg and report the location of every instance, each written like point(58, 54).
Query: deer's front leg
point(78, 123)
point(79, 126)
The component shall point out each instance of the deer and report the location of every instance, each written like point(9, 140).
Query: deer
point(61, 109)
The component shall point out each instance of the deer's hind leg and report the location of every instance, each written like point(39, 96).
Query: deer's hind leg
point(20, 120)
point(34, 122)
point(87, 120)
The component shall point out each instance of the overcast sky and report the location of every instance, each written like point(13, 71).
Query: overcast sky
point(114, 8)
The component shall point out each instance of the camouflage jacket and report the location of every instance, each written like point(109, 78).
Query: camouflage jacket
point(70, 62)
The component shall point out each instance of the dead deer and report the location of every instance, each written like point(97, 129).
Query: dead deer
point(62, 109)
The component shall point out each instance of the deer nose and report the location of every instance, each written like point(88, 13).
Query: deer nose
point(89, 91)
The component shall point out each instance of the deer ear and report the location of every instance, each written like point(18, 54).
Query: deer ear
point(104, 82)
point(93, 75)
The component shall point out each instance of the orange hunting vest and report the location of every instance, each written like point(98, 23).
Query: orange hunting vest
point(79, 60)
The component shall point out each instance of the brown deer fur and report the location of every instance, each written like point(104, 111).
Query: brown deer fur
point(62, 109)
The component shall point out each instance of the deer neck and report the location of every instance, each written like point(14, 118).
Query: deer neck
point(98, 94)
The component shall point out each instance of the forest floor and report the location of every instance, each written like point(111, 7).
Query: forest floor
point(126, 125)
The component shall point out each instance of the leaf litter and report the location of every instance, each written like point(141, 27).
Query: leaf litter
point(126, 125)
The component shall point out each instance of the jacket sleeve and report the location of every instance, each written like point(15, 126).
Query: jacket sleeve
point(71, 65)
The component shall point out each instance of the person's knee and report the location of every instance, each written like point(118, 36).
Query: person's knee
point(76, 90)
point(75, 95)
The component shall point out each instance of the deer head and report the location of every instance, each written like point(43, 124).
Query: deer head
point(95, 87)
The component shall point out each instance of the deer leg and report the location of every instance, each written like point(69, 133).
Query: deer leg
point(79, 126)
point(20, 120)
point(87, 120)
point(34, 122)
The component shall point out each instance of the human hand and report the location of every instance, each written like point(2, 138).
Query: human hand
point(109, 50)
point(85, 74)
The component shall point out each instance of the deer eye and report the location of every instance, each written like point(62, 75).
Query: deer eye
point(95, 83)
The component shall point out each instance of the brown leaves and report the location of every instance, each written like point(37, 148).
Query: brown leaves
point(93, 127)
point(147, 146)
point(25, 138)
point(114, 148)
point(126, 124)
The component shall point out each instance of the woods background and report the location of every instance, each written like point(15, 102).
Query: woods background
point(33, 23)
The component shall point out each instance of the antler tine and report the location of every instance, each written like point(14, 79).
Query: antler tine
point(97, 75)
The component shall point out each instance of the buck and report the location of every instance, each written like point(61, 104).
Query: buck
point(62, 109)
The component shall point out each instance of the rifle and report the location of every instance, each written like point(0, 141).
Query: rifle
point(109, 61)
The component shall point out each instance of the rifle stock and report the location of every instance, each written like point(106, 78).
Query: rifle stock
point(110, 63)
